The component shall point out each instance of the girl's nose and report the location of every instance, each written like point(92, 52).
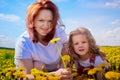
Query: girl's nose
point(80, 44)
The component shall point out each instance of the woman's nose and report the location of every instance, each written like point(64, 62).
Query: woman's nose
point(46, 24)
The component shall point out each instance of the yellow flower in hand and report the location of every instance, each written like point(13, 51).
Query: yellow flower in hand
point(66, 58)
point(54, 40)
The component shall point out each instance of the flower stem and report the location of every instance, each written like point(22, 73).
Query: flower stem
point(60, 55)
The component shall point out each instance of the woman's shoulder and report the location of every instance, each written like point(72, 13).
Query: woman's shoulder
point(60, 29)
point(24, 34)
point(23, 38)
point(60, 33)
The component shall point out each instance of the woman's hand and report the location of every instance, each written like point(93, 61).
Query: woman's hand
point(30, 77)
point(64, 74)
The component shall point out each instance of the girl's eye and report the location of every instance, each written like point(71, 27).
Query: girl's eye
point(84, 42)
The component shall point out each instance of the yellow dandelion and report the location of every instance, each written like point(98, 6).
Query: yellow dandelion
point(8, 73)
point(33, 69)
point(86, 69)
point(102, 65)
point(90, 79)
point(74, 74)
point(92, 71)
point(53, 77)
point(117, 75)
point(54, 40)
point(110, 75)
point(18, 74)
point(23, 76)
point(98, 68)
point(21, 69)
point(40, 78)
point(66, 58)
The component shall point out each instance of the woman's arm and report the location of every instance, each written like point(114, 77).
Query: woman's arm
point(39, 65)
point(26, 63)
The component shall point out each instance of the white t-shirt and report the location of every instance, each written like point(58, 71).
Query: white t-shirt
point(86, 63)
point(26, 49)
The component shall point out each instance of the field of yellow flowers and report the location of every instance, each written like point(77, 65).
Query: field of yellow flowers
point(9, 72)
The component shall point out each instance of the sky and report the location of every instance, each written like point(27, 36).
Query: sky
point(101, 17)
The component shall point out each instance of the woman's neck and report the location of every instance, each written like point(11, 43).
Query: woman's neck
point(41, 41)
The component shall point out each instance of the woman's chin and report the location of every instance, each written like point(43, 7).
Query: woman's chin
point(43, 34)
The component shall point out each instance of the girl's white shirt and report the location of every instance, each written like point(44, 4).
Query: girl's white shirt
point(26, 49)
point(86, 63)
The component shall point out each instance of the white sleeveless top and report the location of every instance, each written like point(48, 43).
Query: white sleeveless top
point(26, 49)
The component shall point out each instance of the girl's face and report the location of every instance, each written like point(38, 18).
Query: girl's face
point(43, 22)
point(80, 44)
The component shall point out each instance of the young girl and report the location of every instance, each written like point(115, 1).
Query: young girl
point(84, 51)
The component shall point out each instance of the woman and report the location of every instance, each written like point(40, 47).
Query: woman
point(33, 48)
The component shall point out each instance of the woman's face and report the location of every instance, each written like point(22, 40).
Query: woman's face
point(80, 44)
point(43, 22)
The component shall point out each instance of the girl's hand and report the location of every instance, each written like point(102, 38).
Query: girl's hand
point(64, 74)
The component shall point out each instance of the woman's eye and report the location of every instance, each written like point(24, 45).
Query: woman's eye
point(50, 21)
point(40, 20)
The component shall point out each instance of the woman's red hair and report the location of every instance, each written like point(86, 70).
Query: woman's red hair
point(32, 12)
